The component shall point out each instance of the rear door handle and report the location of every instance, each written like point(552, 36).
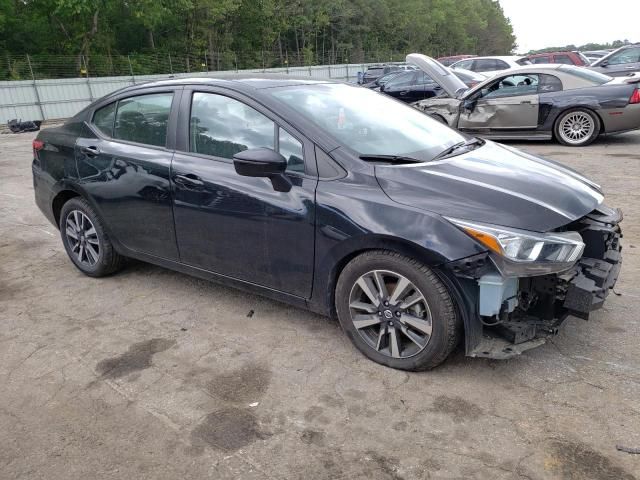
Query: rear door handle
point(189, 181)
point(90, 151)
point(404, 92)
point(528, 102)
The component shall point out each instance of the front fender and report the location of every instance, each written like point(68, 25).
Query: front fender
point(354, 215)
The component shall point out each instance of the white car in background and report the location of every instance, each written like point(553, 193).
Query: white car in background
point(491, 65)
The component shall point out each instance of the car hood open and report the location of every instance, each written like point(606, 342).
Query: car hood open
point(440, 74)
point(494, 184)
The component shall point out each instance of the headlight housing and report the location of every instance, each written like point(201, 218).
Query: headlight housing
point(523, 253)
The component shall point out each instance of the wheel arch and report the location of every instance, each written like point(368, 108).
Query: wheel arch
point(564, 110)
point(329, 279)
point(59, 200)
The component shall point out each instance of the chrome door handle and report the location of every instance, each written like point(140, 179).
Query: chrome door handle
point(189, 181)
point(90, 151)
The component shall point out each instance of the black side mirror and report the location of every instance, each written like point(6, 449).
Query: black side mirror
point(263, 162)
point(469, 105)
point(604, 64)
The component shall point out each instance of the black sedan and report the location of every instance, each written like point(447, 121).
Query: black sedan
point(337, 199)
point(414, 86)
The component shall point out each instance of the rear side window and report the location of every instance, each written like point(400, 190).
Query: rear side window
point(144, 119)
point(222, 126)
point(540, 59)
point(566, 59)
point(103, 119)
point(549, 83)
point(487, 65)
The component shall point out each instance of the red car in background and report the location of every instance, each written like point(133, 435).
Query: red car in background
point(446, 61)
point(568, 58)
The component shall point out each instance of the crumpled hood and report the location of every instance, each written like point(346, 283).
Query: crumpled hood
point(494, 184)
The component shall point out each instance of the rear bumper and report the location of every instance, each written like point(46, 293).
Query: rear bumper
point(43, 191)
point(620, 120)
point(552, 298)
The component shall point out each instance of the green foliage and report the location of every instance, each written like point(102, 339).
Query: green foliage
point(584, 48)
point(250, 33)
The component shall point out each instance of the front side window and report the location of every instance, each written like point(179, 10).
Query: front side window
point(103, 119)
point(466, 64)
point(366, 122)
point(222, 126)
point(144, 119)
point(291, 149)
point(511, 86)
point(402, 80)
point(628, 55)
point(423, 79)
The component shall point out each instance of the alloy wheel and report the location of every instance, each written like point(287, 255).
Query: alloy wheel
point(576, 127)
point(390, 313)
point(82, 238)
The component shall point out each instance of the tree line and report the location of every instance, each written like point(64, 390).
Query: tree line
point(254, 33)
point(584, 48)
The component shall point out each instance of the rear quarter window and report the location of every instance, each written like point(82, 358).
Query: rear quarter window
point(596, 78)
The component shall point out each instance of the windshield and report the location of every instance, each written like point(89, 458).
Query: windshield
point(590, 75)
point(369, 123)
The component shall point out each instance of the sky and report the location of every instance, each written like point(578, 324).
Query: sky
point(551, 23)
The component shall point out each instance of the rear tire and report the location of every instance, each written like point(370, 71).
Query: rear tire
point(396, 311)
point(577, 127)
point(85, 240)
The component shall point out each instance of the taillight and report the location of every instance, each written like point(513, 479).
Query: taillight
point(38, 145)
point(635, 96)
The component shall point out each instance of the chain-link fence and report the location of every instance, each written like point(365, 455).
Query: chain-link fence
point(38, 67)
point(49, 87)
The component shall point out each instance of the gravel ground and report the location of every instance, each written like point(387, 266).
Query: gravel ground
point(153, 374)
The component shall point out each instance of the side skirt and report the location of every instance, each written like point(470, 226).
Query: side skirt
point(215, 277)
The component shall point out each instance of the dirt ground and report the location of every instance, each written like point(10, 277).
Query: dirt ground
point(151, 374)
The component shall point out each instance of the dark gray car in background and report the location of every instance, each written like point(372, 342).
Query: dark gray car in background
point(620, 62)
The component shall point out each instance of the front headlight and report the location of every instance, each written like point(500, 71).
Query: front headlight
point(521, 253)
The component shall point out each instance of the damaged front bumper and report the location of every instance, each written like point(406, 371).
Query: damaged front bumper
point(544, 302)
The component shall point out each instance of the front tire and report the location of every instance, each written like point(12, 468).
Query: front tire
point(577, 127)
point(85, 240)
point(396, 311)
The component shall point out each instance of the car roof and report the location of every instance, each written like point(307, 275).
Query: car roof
point(537, 68)
point(241, 82)
point(500, 57)
point(546, 54)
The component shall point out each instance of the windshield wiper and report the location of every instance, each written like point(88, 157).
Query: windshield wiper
point(449, 152)
point(395, 159)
